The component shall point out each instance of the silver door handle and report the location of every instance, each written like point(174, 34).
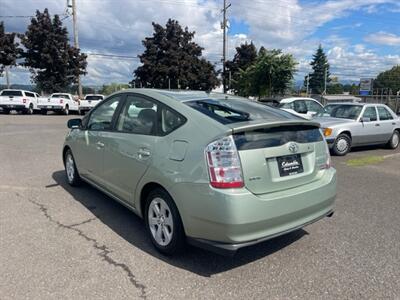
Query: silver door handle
point(99, 145)
point(143, 153)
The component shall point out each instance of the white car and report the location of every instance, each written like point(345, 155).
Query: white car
point(90, 101)
point(306, 108)
point(18, 100)
point(59, 102)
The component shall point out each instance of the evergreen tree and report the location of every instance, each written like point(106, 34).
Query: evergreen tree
point(246, 54)
point(389, 79)
point(9, 49)
point(319, 65)
point(53, 62)
point(172, 59)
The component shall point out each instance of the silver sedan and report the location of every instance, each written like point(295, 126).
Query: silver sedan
point(360, 124)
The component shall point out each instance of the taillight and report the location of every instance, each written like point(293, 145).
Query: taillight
point(61, 101)
point(24, 101)
point(224, 164)
point(328, 162)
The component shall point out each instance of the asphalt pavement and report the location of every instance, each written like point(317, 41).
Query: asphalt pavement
point(58, 242)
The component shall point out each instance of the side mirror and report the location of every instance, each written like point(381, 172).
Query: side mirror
point(74, 123)
point(363, 119)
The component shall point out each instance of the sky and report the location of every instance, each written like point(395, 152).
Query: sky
point(360, 37)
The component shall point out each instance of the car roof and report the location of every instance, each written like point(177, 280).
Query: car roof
point(291, 99)
point(347, 103)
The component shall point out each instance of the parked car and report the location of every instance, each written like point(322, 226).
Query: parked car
point(303, 107)
point(18, 100)
point(219, 172)
point(90, 101)
point(359, 124)
point(59, 102)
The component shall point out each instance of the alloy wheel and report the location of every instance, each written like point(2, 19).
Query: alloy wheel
point(160, 221)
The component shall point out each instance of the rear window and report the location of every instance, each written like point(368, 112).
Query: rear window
point(277, 136)
point(11, 93)
point(60, 96)
point(94, 98)
point(228, 111)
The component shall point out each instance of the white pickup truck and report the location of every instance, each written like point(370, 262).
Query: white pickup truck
point(90, 101)
point(58, 102)
point(18, 100)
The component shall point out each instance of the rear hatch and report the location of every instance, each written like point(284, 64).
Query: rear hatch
point(12, 97)
point(281, 155)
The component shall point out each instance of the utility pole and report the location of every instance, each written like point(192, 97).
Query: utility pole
point(224, 25)
point(7, 76)
point(76, 41)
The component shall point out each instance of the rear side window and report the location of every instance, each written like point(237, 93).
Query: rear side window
point(170, 120)
point(370, 112)
point(384, 114)
point(28, 94)
point(277, 136)
point(11, 93)
point(228, 111)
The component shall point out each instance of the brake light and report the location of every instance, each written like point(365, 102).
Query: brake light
point(61, 101)
point(24, 101)
point(223, 163)
point(328, 162)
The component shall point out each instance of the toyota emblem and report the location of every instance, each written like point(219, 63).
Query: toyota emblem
point(293, 147)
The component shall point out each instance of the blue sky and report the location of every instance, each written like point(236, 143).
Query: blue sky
point(360, 37)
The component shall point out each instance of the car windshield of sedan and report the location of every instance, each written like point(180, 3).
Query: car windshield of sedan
point(346, 111)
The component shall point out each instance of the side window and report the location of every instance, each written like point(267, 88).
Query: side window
point(370, 112)
point(28, 94)
point(139, 116)
point(300, 106)
point(102, 116)
point(384, 114)
point(170, 120)
point(314, 107)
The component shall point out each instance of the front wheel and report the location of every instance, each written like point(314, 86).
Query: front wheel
point(163, 223)
point(394, 140)
point(70, 169)
point(342, 145)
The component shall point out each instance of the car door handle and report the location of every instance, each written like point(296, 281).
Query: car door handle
point(377, 124)
point(99, 145)
point(393, 123)
point(143, 153)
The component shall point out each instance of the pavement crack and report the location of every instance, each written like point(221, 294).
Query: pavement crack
point(83, 222)
point(104, 251)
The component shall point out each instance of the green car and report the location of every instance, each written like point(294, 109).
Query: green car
point(216, 171)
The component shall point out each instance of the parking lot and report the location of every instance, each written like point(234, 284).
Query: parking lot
point(58, 242)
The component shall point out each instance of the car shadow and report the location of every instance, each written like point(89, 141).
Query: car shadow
point(131, 228)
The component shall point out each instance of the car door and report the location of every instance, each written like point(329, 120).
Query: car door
point(129, 148)
point(92, 140)
point(386, 124)
point(369, 131)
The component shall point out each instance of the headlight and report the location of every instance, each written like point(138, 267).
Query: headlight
point(327, 131)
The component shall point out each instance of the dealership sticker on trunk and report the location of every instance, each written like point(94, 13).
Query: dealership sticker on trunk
point(290, 165)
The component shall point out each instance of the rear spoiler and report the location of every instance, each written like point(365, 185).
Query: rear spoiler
point(236, 128)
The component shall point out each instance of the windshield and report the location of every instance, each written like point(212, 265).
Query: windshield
point(346, 111)
point(232, 110)
point(11, 93)
point(60, 96)
point(94, 98)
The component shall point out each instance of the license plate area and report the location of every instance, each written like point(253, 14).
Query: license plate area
point(290, 165)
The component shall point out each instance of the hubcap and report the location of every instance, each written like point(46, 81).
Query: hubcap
point(69, 167)
point(395, 140)
point(160, 221)
point(342, 145)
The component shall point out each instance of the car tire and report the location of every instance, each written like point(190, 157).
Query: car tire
point(29, 110)
point(43, 112)
point(163, 223)
point(342, 145)
point(394, 140)
point(66, 110)
point(82, 113)
point(71, 171)
point(6, 111)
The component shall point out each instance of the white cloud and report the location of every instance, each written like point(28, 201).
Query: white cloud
point(383, 38)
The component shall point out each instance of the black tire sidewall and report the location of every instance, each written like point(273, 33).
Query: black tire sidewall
point(177, 243)
point(340, 137)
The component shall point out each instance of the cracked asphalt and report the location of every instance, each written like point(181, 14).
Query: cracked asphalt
point(58, 242)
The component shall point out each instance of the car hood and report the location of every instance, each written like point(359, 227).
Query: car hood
point(331, 122)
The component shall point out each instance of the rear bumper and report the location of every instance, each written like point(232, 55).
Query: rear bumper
point(13, 106)
point(85, 108)
point(51, 107)
point(231, 219)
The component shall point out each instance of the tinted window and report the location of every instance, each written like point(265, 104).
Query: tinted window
point(346, 111)
point(384, 114)
point(289, 105)
point(139, 116)
point(60, 96)
point(101, 118)
point(313, 106)
point(276, 136)
point(170, 120)
point(231, 110)
point(11, 93)
point(300, 106)
point(370, 112)
point(94, 98)
point(28, 94)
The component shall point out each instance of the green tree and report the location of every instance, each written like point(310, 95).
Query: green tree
point(53, 63)
point(9, 49)
point(336, 88)
point(108, 89)
point(319, 65)
point(172, 59)
point(270, 74)
point(389, 79)
point(245, 55)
